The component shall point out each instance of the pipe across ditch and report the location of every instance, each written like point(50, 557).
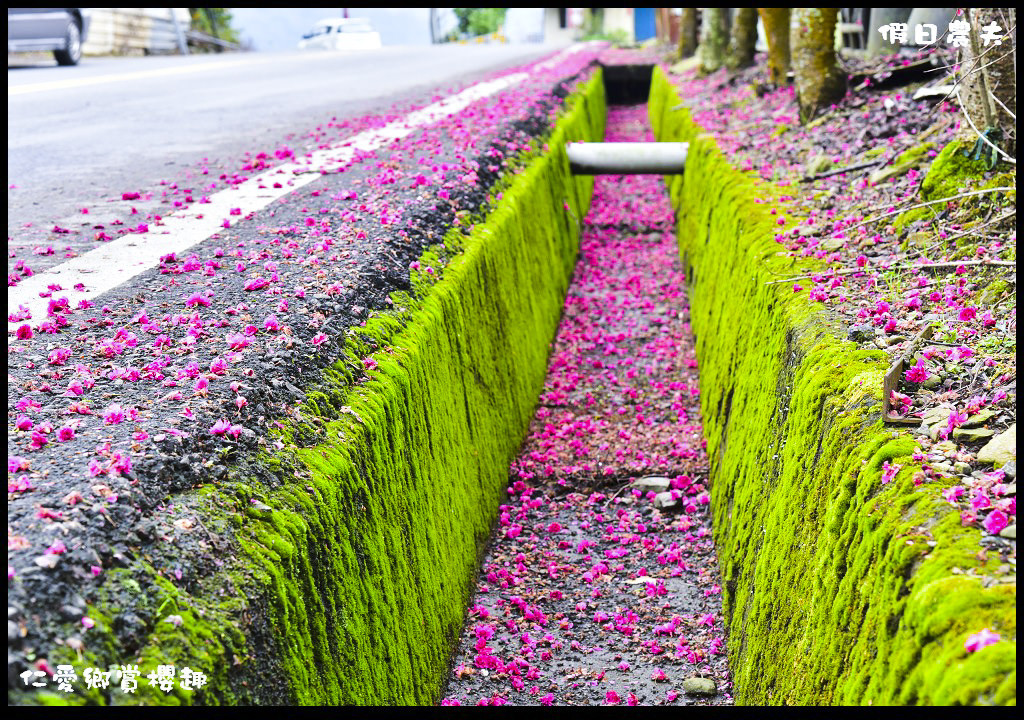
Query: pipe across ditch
point(627, 158)
point(349, 585)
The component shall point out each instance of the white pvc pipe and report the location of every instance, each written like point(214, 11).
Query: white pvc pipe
point(627, 158)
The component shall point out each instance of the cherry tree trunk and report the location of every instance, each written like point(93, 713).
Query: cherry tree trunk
point(819, 80)
point(776, 30)
point(714, 39)
point(688, 33)
point(743, 38)
point(989, 87)
point(878, 45)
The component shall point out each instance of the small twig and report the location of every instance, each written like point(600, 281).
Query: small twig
point(839, 171)
point(875, 208)
point(930, 202)
point(747, 126)
point(974, 378)
point(981, 136)
point(1008, 111)
point(618, 492)
point(900, 267)
point(974, 230)
point(845, 271)
point(965, 263)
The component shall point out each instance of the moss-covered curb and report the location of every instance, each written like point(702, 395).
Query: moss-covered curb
point(387, 545)
point(348, 583)
point(839, 588)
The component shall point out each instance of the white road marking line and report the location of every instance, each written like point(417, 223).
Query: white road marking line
point(130, 255)
point(72, 82)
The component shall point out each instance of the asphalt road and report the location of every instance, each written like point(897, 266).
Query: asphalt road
point(79, 137)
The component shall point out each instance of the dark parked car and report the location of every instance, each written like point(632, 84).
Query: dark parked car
point(58, 30)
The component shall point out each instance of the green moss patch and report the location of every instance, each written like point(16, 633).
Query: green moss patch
point(839, 587)
point(951, 171)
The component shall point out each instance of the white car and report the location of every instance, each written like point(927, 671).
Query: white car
point(341, 34)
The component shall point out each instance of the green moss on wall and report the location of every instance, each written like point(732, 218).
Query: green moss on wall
point(369, 560)
point(839, 588)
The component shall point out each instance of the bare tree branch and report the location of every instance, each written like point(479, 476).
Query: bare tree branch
point(930, 202)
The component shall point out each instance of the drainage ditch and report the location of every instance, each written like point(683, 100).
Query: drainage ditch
point(627, 84)
point(600, 585)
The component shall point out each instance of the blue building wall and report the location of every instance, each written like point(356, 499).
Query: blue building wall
point(644, 26)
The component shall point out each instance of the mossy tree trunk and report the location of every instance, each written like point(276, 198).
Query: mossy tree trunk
point(714, 40)
point(776, 30)
point(989, 88)
point(688, 33)
point(819, 80)
point(743, 38)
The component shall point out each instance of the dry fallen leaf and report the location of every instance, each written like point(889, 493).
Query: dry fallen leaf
point(47, 561)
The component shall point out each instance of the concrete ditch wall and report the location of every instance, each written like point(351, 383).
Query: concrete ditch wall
point(348, 583)
point(838, 588)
